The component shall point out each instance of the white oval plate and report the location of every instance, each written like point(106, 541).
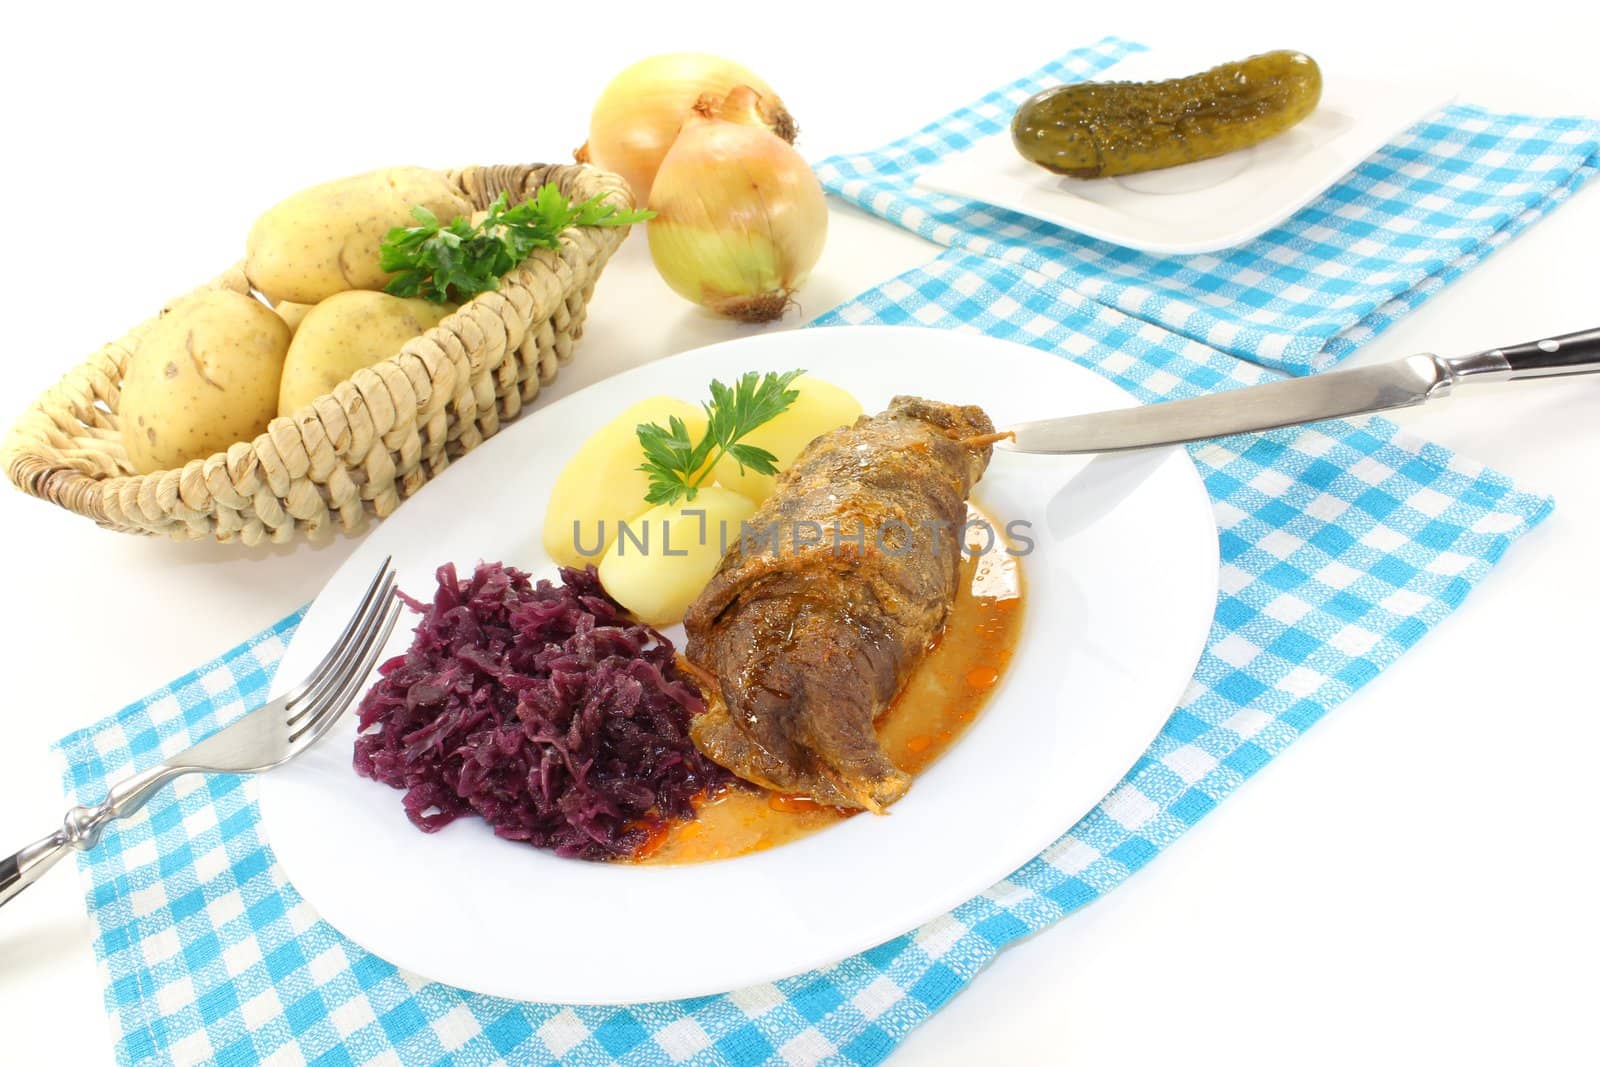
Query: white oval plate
point(1206, 206)
point(1121, 591)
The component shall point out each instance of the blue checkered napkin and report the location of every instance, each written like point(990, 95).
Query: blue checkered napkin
point(1341, 546)
point(1409, 220)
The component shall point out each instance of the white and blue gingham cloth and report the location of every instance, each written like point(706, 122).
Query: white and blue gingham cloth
point(1412, 218)
point(1341, 545)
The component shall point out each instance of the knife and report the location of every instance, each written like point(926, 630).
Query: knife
point(1295, 401)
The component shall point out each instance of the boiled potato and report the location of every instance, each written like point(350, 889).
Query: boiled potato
point(602, 485)
point(291, 313)
point(820, 407)
point(204, 376)
point(344, 333)
point(325, 239)
point(665, 557)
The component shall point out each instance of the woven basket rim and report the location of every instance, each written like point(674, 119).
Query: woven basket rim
point(33, 464)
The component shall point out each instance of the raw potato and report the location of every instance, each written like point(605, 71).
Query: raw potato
point(204, 376)
point(820, 407)
point(325, 239)
point(344, 333)
point(602, 485)
point(668, 554)
point(291, 313)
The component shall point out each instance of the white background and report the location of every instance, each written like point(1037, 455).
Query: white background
point(1413, 880)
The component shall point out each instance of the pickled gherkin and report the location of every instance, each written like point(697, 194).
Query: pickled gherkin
point(1102, 129)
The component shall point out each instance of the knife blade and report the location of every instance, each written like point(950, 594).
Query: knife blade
point(1297, 401)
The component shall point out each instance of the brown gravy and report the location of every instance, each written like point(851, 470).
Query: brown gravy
point(939, 701)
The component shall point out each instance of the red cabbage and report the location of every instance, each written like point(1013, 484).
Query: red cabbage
point(546, 709)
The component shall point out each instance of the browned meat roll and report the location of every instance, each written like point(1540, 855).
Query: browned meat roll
point(813, 622)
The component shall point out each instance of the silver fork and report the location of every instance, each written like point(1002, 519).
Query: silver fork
point(271, 735)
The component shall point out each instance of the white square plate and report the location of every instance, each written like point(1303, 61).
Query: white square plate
point(1198, 207)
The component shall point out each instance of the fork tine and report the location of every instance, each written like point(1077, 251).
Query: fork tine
point(351, 692)
point(351, 643)
point(333, 705)
point(337, 651)
point(334, 678)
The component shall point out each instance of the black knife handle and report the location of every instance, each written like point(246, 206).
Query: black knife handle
point(1571, 353)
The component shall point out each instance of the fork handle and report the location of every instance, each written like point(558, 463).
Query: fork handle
point(22, 870)
point(81, 829)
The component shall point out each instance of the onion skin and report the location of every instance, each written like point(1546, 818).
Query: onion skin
point(740, 218)
point(640, 112)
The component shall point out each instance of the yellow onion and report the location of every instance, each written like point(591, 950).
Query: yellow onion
point(638, 115)
point(740, 219)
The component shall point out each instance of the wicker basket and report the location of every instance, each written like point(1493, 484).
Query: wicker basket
point(357, 451)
